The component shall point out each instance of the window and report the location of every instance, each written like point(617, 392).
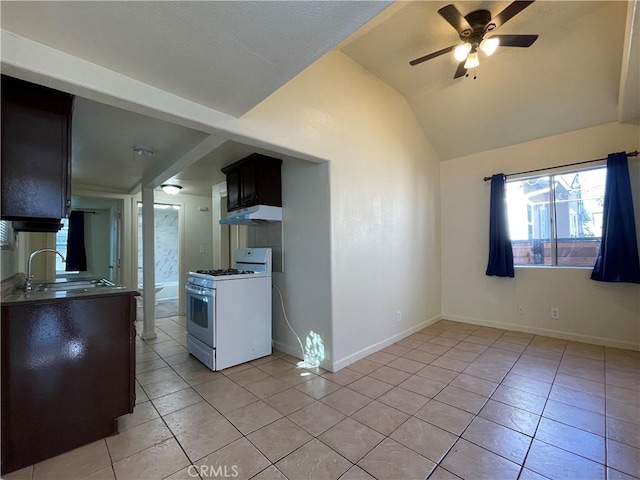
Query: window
point(6, 235)
point(557, 219)
point(61, 245)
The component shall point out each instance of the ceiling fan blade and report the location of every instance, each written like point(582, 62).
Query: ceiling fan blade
point(511, 11)
point(431, 55)
point(516, 40)
point(451, 14)
point(461, 71)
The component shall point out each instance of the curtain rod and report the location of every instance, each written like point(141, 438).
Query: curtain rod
point(86, 211)
point(630, 154)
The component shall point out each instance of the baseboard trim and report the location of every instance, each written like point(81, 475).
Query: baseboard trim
point(289, 350)
point(360, 354)
point(607, 342)
point(148, 336)
point(295, 352)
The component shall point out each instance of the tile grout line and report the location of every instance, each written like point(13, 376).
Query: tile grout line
point(478, 414)
point(565, 354)
point(533, 437)
point(606, 421)
point(437, 464)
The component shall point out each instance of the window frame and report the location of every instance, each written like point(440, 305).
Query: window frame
point(7, 235)
point(553, 237)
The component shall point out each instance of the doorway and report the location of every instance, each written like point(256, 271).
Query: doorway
point(167, 225)
point(102, 218)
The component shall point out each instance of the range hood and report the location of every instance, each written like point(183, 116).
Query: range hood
point(44, 225)
point(253, 215)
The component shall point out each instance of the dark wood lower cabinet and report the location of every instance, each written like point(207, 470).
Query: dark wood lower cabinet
point(68, 373)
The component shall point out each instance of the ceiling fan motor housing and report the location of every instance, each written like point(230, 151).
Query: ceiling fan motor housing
point(479, 20)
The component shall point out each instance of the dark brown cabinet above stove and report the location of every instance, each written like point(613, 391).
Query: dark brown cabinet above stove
point(254, 180)
point(36, 155)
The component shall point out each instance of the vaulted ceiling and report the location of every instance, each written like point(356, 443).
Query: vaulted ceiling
point(567, 80)
point(229, 56)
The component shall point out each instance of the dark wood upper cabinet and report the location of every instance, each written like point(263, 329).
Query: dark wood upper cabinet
point(254, 180)
point(36, 154)
point(233, 190)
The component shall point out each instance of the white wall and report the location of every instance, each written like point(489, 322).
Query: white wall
point(383, 204)
point(589, 311)
point(8, 263)
point(306, 280)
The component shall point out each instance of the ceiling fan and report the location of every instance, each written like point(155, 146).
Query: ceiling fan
point(472, 29)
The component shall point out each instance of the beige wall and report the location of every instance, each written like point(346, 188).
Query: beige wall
point(43, 266)
point(589, 311)
point(15, 260)
point(383, 203)
point(306, 279)
point(8, 263)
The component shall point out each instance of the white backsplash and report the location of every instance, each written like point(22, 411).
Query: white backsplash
point(268, 234)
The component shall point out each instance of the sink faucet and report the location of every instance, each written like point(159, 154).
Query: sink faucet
point(28, 285)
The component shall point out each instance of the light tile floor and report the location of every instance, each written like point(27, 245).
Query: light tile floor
point(452, 401)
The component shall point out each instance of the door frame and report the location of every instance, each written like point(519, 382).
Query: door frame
point(228, 238)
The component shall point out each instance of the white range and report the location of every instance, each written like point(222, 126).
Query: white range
point(229, 311)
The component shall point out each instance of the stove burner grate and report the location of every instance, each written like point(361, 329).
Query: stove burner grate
point(225, 271)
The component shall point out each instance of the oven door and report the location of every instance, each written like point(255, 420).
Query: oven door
point(201, 314)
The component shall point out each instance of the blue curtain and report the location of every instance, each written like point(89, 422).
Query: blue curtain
point(617, 259)
point(76, 253)
point(500, 251)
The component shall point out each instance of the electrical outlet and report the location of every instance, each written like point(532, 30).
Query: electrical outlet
point(399, 316)
point(201, 248)
point(555, 313)
point(520, 309)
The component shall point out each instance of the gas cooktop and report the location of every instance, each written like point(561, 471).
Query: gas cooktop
point(225, 271)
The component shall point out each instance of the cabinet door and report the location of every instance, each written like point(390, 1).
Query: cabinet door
point(67, 374)
point(233, 190)
point(253, 180)
point(35, 151)
point(249, 185)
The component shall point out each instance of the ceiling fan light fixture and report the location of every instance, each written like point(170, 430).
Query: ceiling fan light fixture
point(461, 51)
point(171, 189)
point(472, 61)
point(489, 45)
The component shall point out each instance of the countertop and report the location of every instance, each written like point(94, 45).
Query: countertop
point(18, 296)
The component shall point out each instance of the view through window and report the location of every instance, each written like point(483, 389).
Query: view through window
point(6, 234)
point(557, 219)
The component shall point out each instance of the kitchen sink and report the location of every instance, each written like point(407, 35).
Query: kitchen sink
point(73, 285)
